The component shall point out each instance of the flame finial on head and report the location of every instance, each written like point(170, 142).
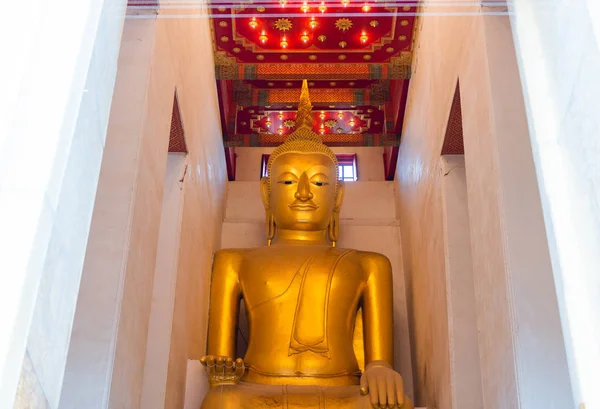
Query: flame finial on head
point(304, 115)
point(303, 139)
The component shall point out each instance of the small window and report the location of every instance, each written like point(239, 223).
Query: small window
point(264, 169)
point(348, 170)
point(347, 167)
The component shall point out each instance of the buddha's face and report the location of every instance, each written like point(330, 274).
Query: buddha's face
point(303, 191)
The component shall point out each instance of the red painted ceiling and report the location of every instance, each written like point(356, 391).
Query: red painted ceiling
point(339, 33)
point(360, 119)
point(356, 57)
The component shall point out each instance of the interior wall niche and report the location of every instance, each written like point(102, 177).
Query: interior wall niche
point(160, 326)
point(465, 370)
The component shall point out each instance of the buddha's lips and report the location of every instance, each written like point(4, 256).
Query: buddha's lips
point(308, 206)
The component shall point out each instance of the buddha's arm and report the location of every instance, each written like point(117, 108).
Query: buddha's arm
point(224, 304)
point(380, 381)
point(377, 309)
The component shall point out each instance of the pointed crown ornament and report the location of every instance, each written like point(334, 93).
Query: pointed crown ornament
point(303, 139)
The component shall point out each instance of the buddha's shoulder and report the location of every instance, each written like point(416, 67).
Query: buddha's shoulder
point(238, 253)
point(370, 256)
point(370, 260)
point(229, 256)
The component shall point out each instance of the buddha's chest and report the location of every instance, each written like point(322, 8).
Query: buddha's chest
point(283, 277)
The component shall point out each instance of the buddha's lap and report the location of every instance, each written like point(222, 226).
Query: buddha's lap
point(246, 395)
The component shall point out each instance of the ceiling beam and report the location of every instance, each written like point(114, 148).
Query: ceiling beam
point(227, 68)
point(270, 140)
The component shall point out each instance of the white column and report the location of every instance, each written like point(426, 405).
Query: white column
point(559, 58)
point(105, 360)
point(594, 8)
point(165, 279)
point(465, 375)
point(41, 117)
point(522, 353)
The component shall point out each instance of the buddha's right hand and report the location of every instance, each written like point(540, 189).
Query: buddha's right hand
point(223, 370)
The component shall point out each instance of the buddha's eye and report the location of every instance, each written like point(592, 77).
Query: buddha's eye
point(286, 182)
point(320, 183)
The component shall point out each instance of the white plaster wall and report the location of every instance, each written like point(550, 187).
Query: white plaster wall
point(107, 352)
point(56, 94)
point(465, 373)
point(559, 55)
point(522, 356)
point(369, 161)
point(91, 353)
point(156, 367)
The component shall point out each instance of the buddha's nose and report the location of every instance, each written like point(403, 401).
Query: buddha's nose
point(303, 192)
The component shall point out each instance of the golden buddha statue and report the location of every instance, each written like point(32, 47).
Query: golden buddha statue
point(314, 310)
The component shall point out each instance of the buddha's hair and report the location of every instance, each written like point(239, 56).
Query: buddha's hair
point(303, 139)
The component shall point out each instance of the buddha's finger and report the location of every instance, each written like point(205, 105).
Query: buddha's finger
point(391, 391)
point(399, 390)
point(373, 394)
point(382, 390)
point(239, 367)
point(220, 365)
point(229, 365)
point(364, 386)
point(210, 361)
point(210, 364)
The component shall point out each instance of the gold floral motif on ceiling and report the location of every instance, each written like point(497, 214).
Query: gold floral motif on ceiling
point(343, 24)
point(331, 123)
point(283, 24)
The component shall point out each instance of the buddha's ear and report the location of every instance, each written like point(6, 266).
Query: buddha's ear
point(339, 198)
point(264, 192)
point(270, 221)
